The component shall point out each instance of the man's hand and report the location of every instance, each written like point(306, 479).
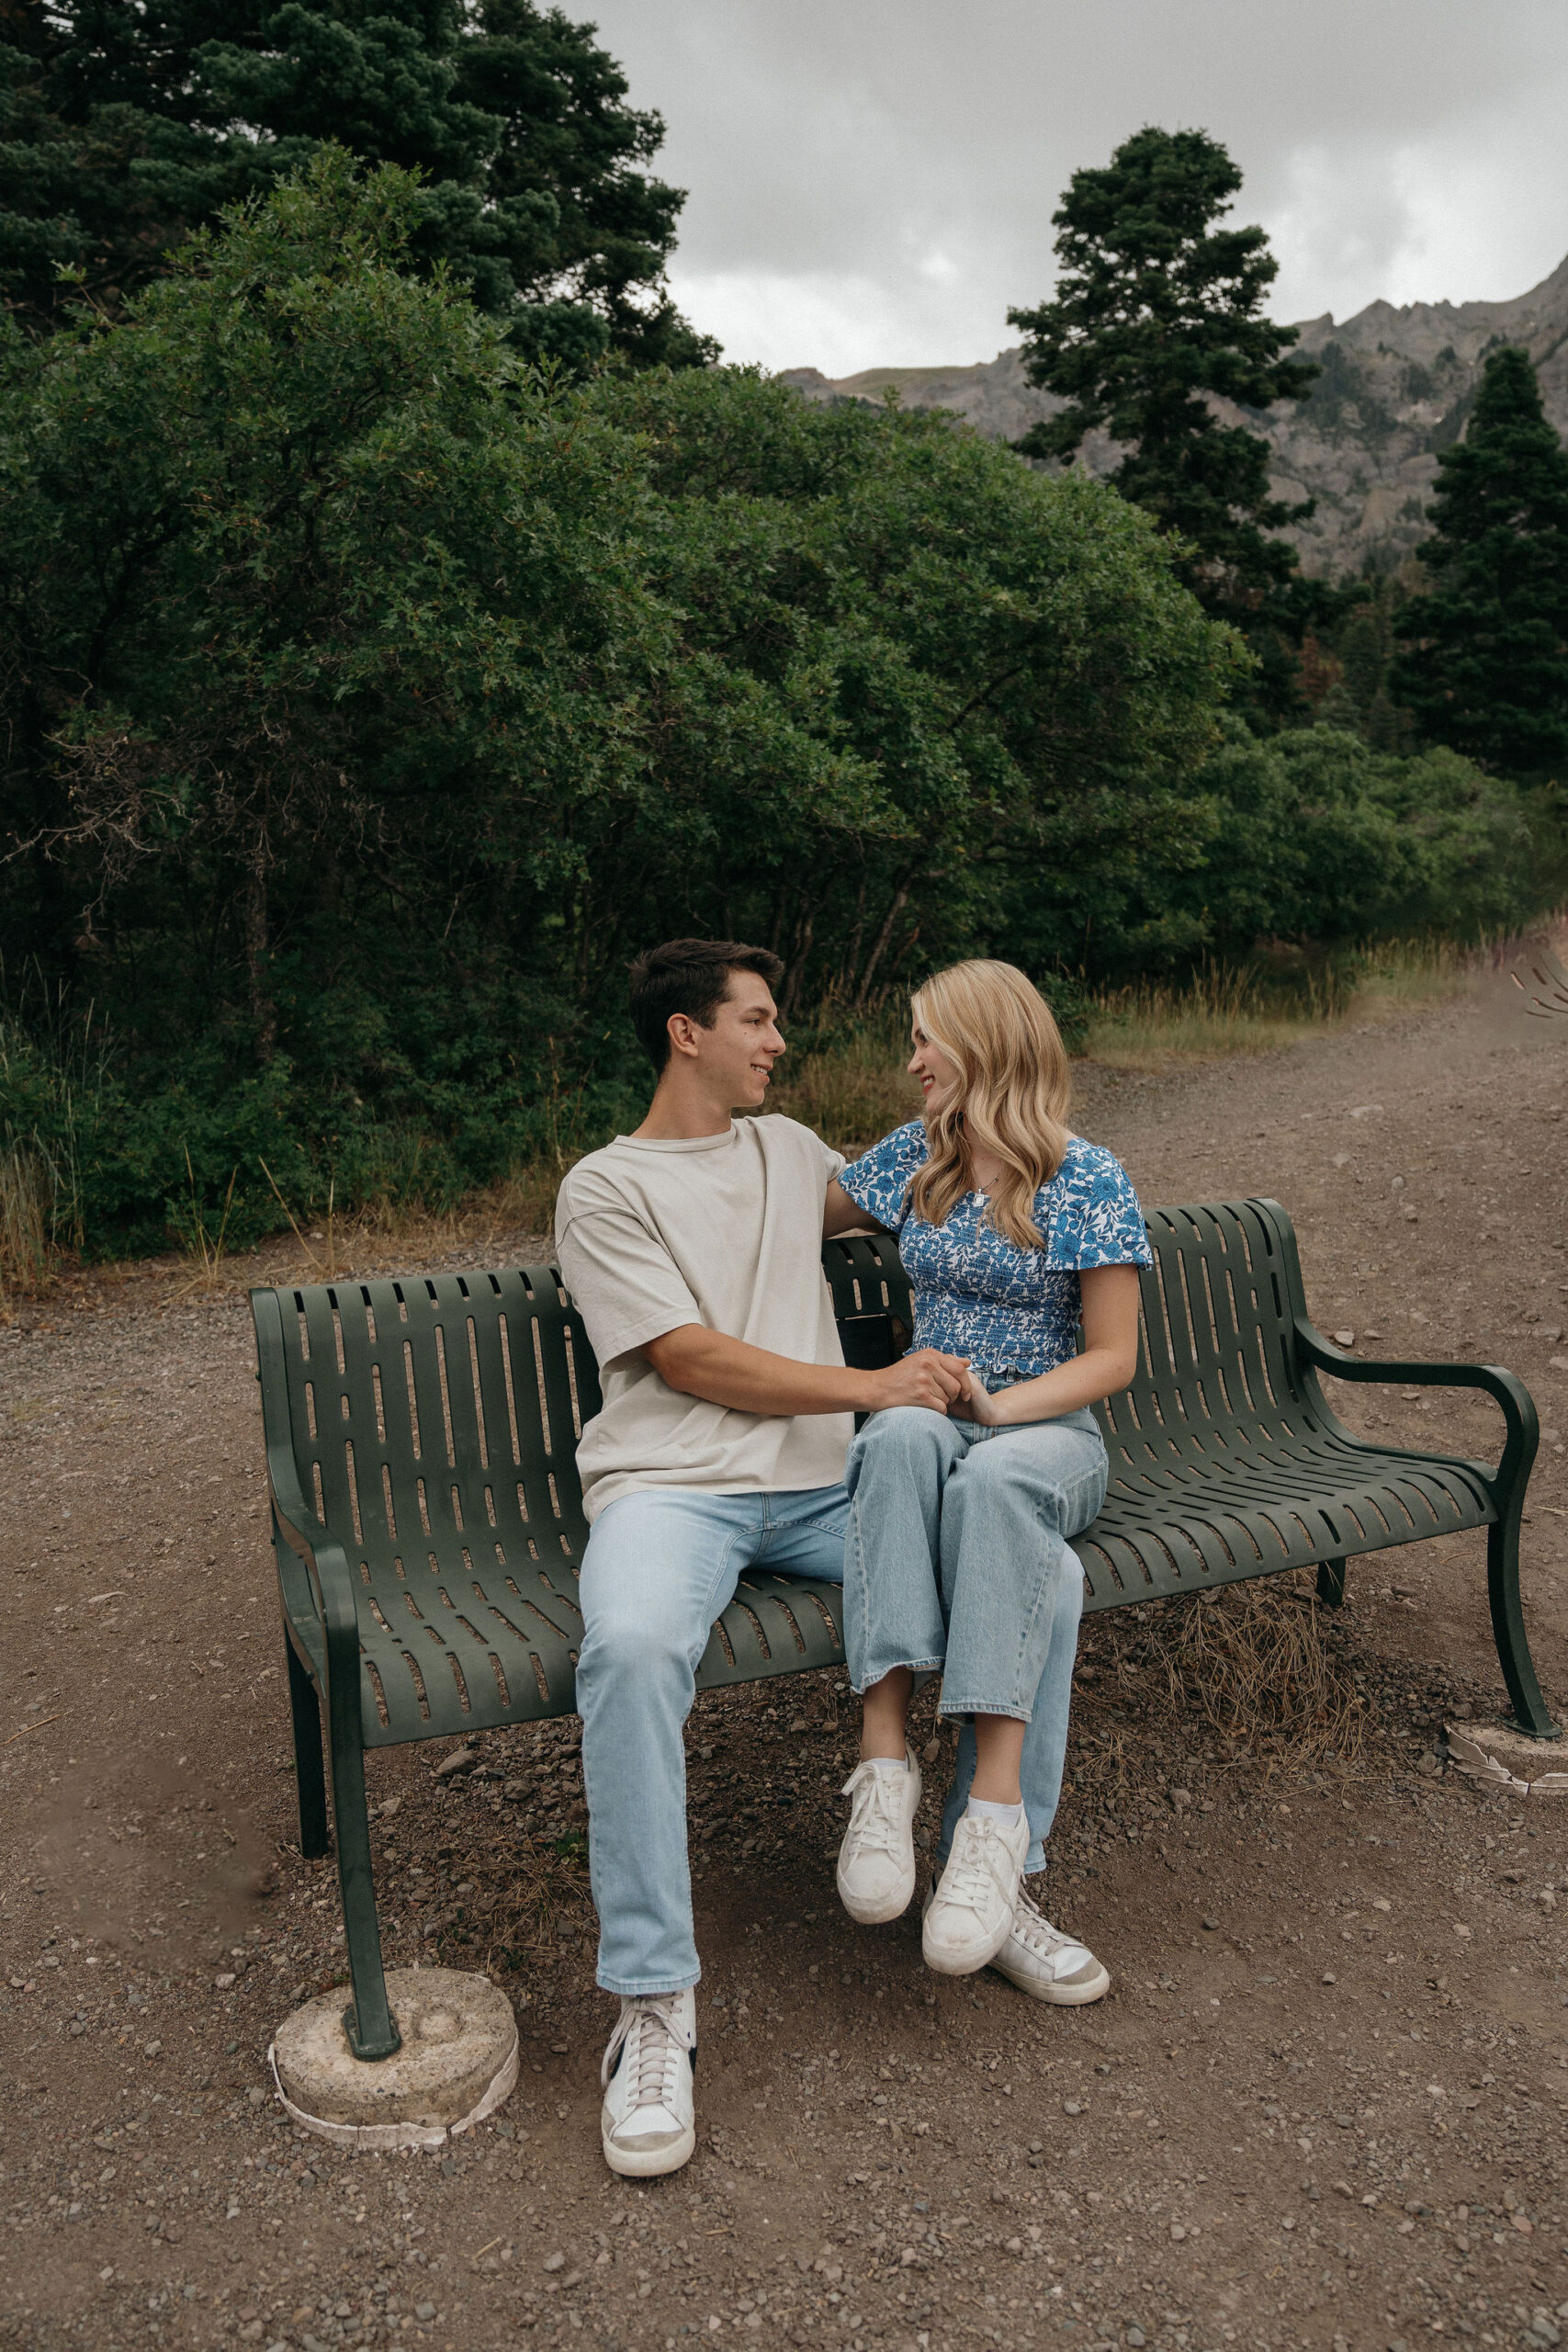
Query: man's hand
point(927, 1377)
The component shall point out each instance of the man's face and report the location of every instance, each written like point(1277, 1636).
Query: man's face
point(736, 1054)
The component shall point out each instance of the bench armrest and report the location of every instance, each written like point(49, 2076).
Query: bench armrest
point(1507, 1390)
point(313, 1545)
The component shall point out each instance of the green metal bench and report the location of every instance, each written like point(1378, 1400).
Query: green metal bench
point(1546, 983)
point(428, 1525)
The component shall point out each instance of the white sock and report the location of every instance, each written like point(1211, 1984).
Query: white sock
point(889, 1763)
point(985, 1810)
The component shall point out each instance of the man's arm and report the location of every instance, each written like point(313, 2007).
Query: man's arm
point(700, 1362)
point(841, 1215)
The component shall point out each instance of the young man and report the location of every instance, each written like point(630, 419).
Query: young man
point(693, 1250)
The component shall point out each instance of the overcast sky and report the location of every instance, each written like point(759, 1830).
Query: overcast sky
point(871, 181)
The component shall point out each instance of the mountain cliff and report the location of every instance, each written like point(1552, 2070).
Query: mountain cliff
point(1395, 390)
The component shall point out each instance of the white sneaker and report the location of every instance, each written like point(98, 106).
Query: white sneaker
point(876, 1860)
point(648, 2122)
point(1046, 1964)
point(970, 1915)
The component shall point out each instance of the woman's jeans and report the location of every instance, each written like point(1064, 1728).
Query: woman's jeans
point(957, 1561)
point(660, 1565)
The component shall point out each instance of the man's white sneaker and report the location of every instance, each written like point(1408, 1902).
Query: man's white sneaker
point(876, 1860)
point(648, 2122)
point(970, 1915)
point(1046, 1964)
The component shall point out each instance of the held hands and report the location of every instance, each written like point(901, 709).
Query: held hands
point(927, 1377)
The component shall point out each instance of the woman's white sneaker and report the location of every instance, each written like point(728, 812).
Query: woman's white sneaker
point(648, 2123)
point(1046, 1964)
point(970, 1915)
point(876, 1860)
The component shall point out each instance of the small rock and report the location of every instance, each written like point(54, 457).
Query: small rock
point(1328, 1976)
point(153, 2048)
point(425, 2310)
point(555, 2262)
point(462, 1760)
point(1212, 1925)
point(1560, 1363)
point(1460, 1930)
point(932, 1751)
point(1177, 2232)
point(1072, 2107)
point(1344, 1339)
point(389, 1806)
point(1181, 1799)
point(1430, 1765)
point(1136, 2338)
point(222, 1984)
point(1545, 2329)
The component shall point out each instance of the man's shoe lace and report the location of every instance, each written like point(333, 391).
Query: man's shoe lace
point(873, 1821)
point(653, 2048)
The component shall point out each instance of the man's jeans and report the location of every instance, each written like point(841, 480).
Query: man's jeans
point(660, 1565)
point(958, 1561)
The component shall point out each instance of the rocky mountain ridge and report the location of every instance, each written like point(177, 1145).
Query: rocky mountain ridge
point(1397, 388)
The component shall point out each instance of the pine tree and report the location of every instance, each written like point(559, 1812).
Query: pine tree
point(1158, 315)
point(1485, 664)
point(122, 129)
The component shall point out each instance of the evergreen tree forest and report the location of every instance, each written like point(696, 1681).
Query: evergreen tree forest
point(378, 675)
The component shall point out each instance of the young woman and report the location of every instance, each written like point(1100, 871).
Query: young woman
point(1013, 1231)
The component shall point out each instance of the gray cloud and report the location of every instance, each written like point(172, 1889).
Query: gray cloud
point(873, 180)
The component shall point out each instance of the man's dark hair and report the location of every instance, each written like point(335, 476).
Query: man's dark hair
point(689, 975)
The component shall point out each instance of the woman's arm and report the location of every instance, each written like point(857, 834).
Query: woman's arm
point(1108, 1363)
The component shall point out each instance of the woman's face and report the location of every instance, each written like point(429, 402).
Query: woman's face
point(937, 1074)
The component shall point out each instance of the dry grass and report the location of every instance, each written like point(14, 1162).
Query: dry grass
point(1158, 1026)
point(852, 1093)
point(1248, 1661)
point(27, 1253)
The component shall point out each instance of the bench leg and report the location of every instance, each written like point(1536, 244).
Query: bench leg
point(368, 2023)
point(309, 1781)
point(1530, 1710)
point(1331, 1583)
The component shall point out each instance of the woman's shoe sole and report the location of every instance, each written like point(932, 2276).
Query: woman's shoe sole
point(1062, 1996)
point(879, 1918)
point(970, 1967)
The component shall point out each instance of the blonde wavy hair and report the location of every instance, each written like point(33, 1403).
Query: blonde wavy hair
point(1010, 1100)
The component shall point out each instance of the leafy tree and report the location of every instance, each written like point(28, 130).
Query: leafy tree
point(1485, 664)
point(368, 696)
point(124, 129)
point(1157, 317)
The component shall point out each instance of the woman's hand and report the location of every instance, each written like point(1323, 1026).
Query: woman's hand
point(976, 1404)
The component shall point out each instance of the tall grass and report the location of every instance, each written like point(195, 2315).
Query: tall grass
point(851, 1089)
point(51, 1075)
point(1257, 1008)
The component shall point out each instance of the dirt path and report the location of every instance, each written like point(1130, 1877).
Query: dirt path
point(1322, 2106)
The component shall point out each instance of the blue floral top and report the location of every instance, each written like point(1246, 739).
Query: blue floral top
point(1012, 1312)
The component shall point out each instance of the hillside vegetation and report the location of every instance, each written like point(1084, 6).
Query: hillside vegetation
point(370, 695)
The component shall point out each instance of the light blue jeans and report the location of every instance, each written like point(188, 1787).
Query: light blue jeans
point(659, 1566)
point(958, 1561)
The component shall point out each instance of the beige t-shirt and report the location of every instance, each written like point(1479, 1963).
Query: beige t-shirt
point(723, 1230)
